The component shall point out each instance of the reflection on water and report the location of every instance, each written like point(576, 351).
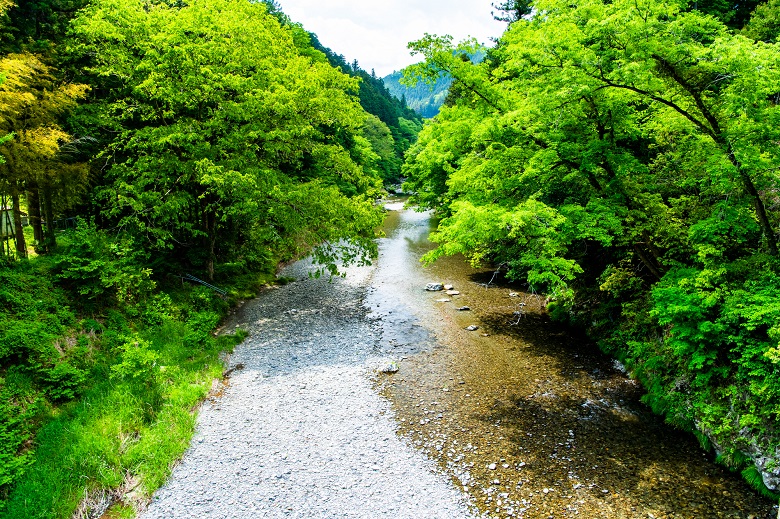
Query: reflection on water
point(529, 420)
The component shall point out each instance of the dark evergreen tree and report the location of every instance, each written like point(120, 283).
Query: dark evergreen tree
point(511, 10)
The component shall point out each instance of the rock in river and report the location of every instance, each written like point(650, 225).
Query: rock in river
point(434, 287)
point(388, 366)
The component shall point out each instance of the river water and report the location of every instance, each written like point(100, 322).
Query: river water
point(527, 419)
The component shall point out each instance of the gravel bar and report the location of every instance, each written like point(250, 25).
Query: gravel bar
point(300, 430)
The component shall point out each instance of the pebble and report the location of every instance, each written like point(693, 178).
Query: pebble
point(281, 440)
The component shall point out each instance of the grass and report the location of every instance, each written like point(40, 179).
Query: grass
point(148, 370)
point(120, 429)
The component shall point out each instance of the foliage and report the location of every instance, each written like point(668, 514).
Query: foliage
point(623, 157)
point(34, 152)
point(89, 399)
point(378, 99)
point(221, 122)
point(764, 23)
point(102, 271)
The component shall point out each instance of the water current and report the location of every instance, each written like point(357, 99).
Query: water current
point(528, 419)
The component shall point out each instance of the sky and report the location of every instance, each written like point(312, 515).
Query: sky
point(376, 32)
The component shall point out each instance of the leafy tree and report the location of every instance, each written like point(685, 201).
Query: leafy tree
point(764, 24)
point(622, 157)
point(383, 144)
point(377, 100)
point(223, 123)
point(31, 104)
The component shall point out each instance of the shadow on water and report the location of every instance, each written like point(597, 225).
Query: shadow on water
point(531, 420)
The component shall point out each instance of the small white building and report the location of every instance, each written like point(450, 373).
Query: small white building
point(7, 222)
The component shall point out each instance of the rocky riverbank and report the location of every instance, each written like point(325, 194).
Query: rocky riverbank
point(299, 431)
point(483, 404)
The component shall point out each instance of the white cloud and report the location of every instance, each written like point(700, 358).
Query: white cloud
point(376, 32)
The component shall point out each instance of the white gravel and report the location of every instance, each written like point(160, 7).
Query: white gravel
point(300, 431)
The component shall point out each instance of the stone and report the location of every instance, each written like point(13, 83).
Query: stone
point(390, 366)
point(514, 294)
point(464, 309)
point(448, 287)
point(452, 293)
point(492, 466)
point(434, 287)
point(473, 328)
point(444, 300)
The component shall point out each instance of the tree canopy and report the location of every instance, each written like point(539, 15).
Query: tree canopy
point(622, 157)
point(229, 139)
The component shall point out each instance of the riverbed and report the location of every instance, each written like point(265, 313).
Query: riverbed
point(514, 418)
point(527, 419)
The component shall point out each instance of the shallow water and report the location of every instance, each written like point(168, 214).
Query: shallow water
point(529, 420)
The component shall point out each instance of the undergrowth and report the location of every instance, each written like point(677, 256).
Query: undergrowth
point(102, 368)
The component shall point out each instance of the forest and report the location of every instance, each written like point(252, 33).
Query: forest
point(159, 160)
point(622, 159)
point(425, 99)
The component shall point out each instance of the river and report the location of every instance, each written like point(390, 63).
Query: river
point(527, 419)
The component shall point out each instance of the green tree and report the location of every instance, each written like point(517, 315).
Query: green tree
point(223, 124)
point(32, 102)
point(383, 144)
point(623, 157)
point(764, 24)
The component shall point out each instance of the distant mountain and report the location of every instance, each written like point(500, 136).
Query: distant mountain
point(422, 98)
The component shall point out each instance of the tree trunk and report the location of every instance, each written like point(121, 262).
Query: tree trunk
point(48, 214)
point(5, 247)
point(758, 205)
point(21, 244)
point(34, 208)
point(648, 262)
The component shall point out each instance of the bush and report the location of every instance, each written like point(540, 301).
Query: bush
point(103, 270)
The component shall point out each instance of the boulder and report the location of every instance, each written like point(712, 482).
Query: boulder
point(464, 309)
point(472, 328)
point(448, 287)
point(452, 293)
point(434, 287)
